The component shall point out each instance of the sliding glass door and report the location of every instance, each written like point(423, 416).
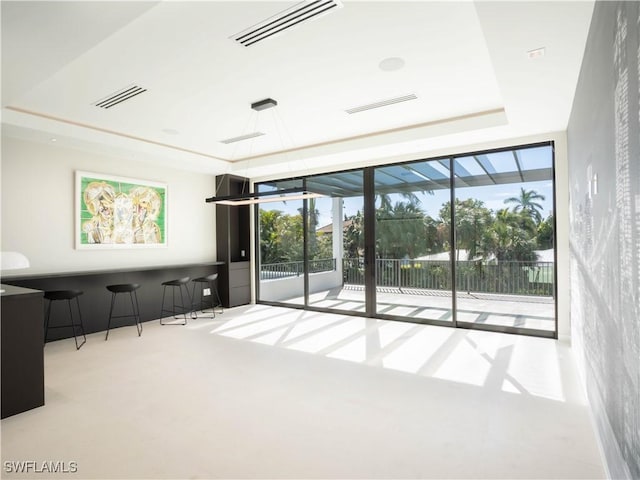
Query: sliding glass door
point(505, 275)
point(312, 250)
point(281, 247)
point(466, 240)
point(335, 242)
point(412, 241)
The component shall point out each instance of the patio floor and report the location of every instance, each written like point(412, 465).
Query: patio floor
point(532, 312)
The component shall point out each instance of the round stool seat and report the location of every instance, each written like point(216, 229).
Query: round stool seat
point(209, 278)
point(123, 287)
point(62, 294)
point(177, 282)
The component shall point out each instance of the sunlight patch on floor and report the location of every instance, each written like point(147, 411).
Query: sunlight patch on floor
point(327, 337)
point(391, 331)
point(416, 351)
point(537, 369)
point(355, 351)
point(257, 326)
point(510, 363)
point(464, 365)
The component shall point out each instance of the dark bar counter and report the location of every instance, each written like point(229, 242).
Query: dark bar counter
point(96, 299)
point(22, 359)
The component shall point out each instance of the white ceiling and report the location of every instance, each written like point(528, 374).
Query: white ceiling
point(465, 61)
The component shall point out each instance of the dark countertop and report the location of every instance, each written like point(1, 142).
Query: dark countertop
point(106, 271)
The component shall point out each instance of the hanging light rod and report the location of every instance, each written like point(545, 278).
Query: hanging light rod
point(248, 198)
point(264, 197)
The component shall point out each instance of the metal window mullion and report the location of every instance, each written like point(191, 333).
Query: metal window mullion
point(305, 245)
point(258, 252)
point(452, 239)
point(369, 240)
point(555, 237)
point(515, 157)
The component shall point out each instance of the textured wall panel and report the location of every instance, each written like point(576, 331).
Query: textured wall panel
point(604, 176)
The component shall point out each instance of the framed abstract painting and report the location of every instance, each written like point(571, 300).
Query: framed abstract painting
point(119, 212)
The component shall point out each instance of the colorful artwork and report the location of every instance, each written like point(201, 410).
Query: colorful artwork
point(116, 212)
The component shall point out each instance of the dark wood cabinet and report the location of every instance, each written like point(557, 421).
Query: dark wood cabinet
point(233, 242)
point(22, 349)
point(239, 283)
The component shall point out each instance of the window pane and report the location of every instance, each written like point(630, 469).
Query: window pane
point(336, 242)
point(281, 243)
point(413, 263)
point(504, 244)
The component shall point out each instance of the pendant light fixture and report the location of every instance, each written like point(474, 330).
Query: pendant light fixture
point(251, 198)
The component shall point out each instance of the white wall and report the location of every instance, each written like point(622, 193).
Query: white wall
point(277, 290)
point(603, 139)
point(562, 237)
point(38, 210)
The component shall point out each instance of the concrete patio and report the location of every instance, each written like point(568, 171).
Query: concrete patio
point(532, 312)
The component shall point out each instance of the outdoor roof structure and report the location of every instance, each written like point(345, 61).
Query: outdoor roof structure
point(529, 164)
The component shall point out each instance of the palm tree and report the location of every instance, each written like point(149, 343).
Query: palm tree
point(313, 216)
point(508, 240)
point(526, 203)
point(386, 201)
point(400, 230)
point(353, 239)
point(472, 220)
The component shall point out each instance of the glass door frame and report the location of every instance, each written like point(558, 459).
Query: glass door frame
point(369, 214)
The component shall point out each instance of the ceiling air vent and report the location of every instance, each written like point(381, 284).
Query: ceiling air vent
point(242, 137)
point(120, 96)
point(382, 103)
point(288, 18)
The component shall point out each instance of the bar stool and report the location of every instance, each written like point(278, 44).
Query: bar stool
point(211, 280)
point(129, 288)
point(182, 306)
point(68, 295)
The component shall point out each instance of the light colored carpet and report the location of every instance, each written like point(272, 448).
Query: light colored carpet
point(279, 393)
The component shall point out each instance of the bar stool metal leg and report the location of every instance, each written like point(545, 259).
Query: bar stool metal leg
point(183, 307)
point(214, 288)
point(136, 311)
point(80, 325)
point(46, 325)
point(209, 280)
point(201, 305)
point(76, 328)
point(113, 299)
point(129, 288)
point(184, 310)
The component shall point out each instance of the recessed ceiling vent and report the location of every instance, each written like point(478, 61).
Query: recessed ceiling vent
point(382, 103)
point(120, 96)
point(288, 18)
point(242, 137)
